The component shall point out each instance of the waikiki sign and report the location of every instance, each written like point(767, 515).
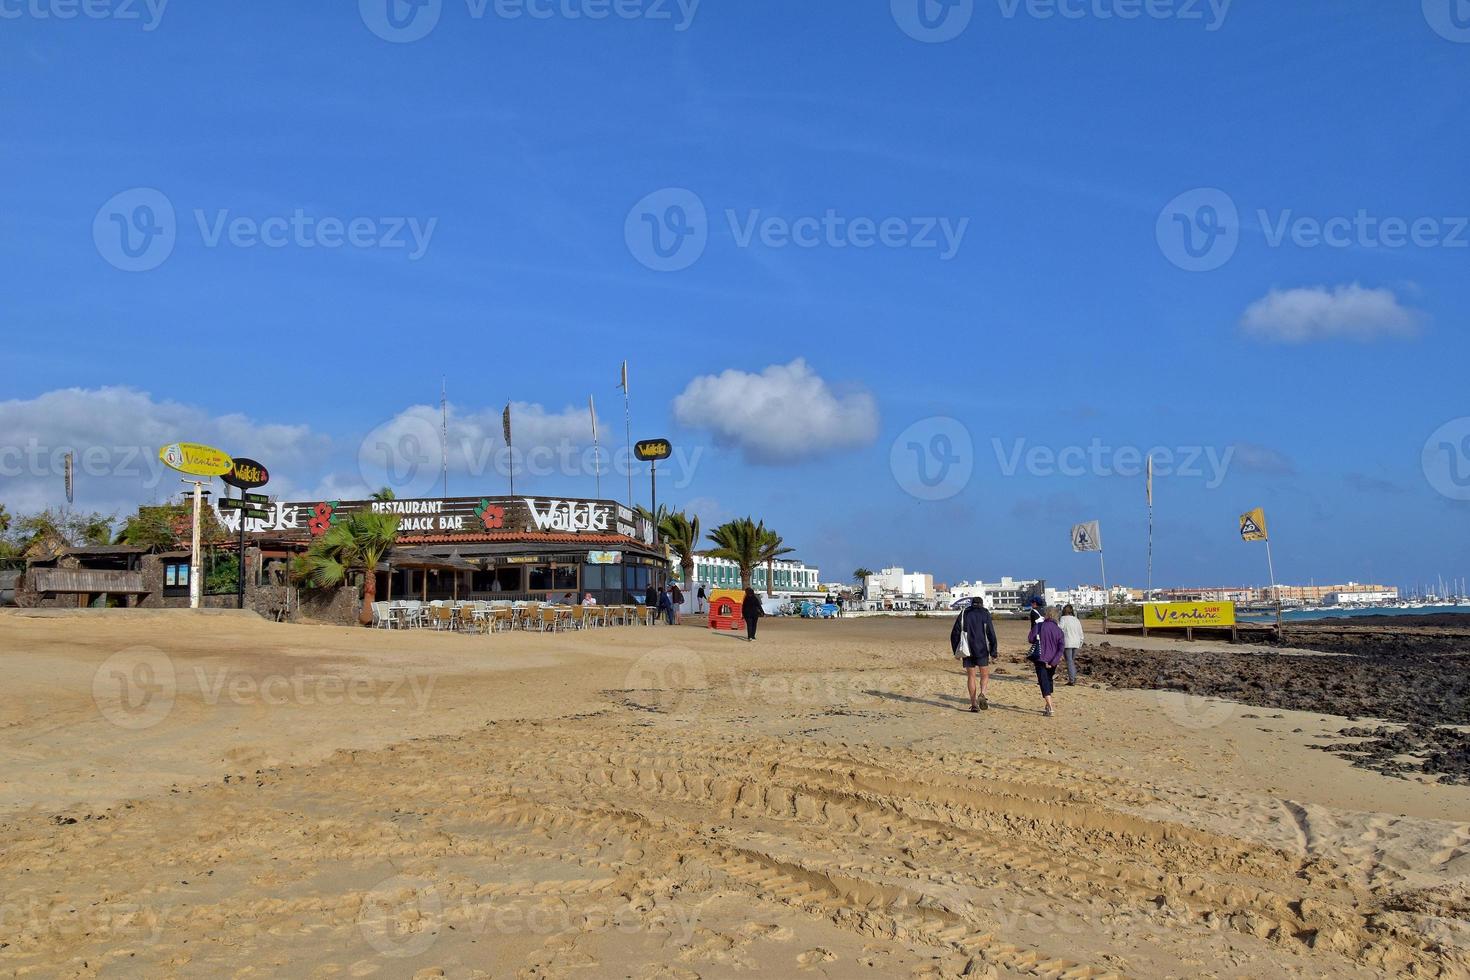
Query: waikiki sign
point(461, 515)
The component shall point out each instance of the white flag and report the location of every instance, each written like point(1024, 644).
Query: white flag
point(1087, 537)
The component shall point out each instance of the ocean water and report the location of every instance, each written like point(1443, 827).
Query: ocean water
point(1297, 615)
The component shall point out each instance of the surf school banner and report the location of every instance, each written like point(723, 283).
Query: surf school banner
point(1181, 615)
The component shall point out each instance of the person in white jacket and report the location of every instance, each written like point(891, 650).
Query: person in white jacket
point(1072, 639)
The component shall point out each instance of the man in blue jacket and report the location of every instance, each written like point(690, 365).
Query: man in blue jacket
point(979, 630)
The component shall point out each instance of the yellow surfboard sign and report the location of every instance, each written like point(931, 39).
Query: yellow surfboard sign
point(1181, 615)
point(196, 460)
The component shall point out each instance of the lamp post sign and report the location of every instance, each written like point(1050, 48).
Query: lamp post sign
point(246, 475)
point(651, 451)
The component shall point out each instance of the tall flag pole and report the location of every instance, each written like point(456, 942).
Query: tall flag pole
point(1149, 594)
point(443, 430)
point(628, 430)
point(1253, 528)
point(509, 452)
point(1088, 537)
point(596, 448)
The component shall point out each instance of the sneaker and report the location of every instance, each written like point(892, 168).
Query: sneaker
point(1048, 712)
point(974, 708)
point(984, 703)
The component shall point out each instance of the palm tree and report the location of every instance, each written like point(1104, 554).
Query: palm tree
point(740, 541)
point(654, 519)
point(385, 493)
point(860, 574)
point(681, 534)
point(772, 547)
point(354, 545)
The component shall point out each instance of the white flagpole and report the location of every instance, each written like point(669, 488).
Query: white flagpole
point(596, 447)
point(444, 430)
point(628, 431)
point(1148, 596)
point(1107, 597)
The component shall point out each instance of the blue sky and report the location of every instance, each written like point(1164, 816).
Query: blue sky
point(1065, 155)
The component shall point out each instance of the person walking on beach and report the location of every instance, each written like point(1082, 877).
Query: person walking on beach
point(1049, 644)
point(979, 630)
point(1034, 612)
point(751, 611)
point(1072, 634)
point(701, 596)
point(665, 605)
point(676, 594)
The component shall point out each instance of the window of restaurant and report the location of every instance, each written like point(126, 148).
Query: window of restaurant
point(552, 578)
point(497, 580)
point(635, 578)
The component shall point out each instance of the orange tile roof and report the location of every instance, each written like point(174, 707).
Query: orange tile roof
point(519, 536)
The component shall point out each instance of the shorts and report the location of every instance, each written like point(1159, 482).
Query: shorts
point(982, 660)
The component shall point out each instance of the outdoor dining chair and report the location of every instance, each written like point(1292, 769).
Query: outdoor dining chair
point(442, 617)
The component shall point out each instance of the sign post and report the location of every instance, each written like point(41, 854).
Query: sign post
point(651, 451)
point(196, 564)
point(196, 460)
point(246, 474)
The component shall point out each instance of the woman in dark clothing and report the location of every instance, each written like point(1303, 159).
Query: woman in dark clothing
point(751, 611)
point(1050, 645)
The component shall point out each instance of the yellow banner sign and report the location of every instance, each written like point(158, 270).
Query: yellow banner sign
point(196, 460)
point(1180, 615)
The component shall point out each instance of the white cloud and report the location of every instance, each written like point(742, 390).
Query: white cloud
point(1255, 458)
point(115, 434)
point(1296, 316)
point(407, 453)
point(784, 414)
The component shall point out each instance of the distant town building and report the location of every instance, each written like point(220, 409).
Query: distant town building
point(791, 577)
point(1083, 597)
point(1007, 595)
point(1290, 595)
point(1320, 593)
point(1361, 598)
point(895, 583)
point(1239, 594)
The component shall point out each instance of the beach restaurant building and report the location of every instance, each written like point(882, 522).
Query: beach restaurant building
point(533, 548)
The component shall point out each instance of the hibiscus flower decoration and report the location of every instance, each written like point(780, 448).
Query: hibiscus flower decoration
point(321, 519)
point(491, 515)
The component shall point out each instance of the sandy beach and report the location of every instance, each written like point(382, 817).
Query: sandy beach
point(193, 796)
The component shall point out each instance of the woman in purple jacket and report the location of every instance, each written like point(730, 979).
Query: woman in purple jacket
point(1050, 643)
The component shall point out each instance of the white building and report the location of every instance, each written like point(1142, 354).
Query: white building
point(1007, 595)
point(1083, 597)
point(895, 583)
point(1361, 598)
point(790, 577)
